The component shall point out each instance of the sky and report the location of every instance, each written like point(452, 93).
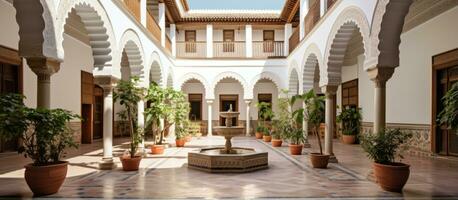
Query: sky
point(236, 4)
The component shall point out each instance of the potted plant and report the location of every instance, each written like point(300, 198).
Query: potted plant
point(351, 124)
point(314, 114)
point(296, 139)
point(180, 134)
point(260, 129)
point(44, 134)
point(267, 137)
point(276, 135)
point(129, 94)
point(167, 107)
point(265, 114)
point(383, 148)
point(449, 114)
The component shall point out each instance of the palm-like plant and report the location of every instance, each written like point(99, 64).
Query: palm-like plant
point(314, 113)
point(449, 115)
point(129, 94)
point(351, 120)
point(265, 113)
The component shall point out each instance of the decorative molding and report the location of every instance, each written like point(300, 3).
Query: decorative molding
point(209, 94)
point(311, 65)
point(380, 75)
point(236, 76)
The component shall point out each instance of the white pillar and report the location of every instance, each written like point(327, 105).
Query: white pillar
point(173, 39)
point(209, 41)
point(249, 41)
point(304, 9)
point(141, 122)
point(162, 22)
point(380, 76)
point(288, 32)
point(143, 12)
point(209, 118)
point(323, 7)
point(44, 68)
point(107, 159)
point(248, 104)
point(330, 113)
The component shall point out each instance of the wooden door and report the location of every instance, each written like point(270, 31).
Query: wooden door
point(98, 113)
point(190, 38)
point(269, 38)
point(445, 74)
point(228, 40)
point(350, 94)
point(10, 82)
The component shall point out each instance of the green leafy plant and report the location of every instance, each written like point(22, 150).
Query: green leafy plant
point(129, 94)
point(314, 113)
point(181, 130)
point(449, 114)
point(265, 114)
point(166, 104)
point(289, 123)
point(44, 132)
point(385, 146)
point(351, 120)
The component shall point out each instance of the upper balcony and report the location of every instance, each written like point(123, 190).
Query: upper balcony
point(231, 43)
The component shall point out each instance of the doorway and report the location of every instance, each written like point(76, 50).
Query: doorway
point(91, 109)
point(10, 82)
point(445, 74)
point(225, 103)
point(195, 101)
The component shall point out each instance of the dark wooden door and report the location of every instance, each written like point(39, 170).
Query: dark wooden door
point(98, 113)
point(9, 83)
point(446, 139)
point(269, 38)
point(195, 101)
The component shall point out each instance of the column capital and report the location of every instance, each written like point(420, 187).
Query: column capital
point(380, 75)
point(107, 82)
point(43, 66)
point(248, 101)
point(329, 89)
point(209, 101)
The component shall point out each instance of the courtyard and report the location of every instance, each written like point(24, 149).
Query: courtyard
point(167, 176)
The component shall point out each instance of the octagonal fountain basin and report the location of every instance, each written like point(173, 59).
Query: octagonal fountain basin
point(241, 160)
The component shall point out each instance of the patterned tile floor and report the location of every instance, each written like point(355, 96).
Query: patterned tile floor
point(167, 176)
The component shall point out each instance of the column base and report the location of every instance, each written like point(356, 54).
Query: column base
point(333, 159)
point(107, 164)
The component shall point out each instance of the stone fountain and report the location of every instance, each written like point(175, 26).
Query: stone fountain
point(228, 158)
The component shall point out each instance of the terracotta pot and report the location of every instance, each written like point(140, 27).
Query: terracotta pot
point(180, 142)
point(349, 139)
point(319, 160)
point(130, 164)
point(267, 138)
point(259, 135)
point(392, 177)
point(188, 138)
point(276, 142)
point(295, 149)
point(45, 180)
point(157, 149)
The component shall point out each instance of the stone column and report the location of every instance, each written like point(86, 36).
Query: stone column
point(323, 7)
point(209, 41)
point(107, 83)
point(248, 104)
point(380, 76)
point(209, 116)
point(141, 123)
point(249, 40)
point(330, 92)
point(288, 32)
point(44, 68)
point(173, 39)
point(305, 128)
point(161, 22)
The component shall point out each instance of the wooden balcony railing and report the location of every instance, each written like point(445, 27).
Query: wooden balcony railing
point(153, 27)
point(265, 49)
point(312, 17)
point(294, 40)
point(229, 49)
point(134, 8)
point(191, 49)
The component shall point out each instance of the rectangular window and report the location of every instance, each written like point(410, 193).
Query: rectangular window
point(350, 93)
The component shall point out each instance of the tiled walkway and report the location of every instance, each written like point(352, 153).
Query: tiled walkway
point(167, 176)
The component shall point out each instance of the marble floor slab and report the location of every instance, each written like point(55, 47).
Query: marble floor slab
point(168, 177)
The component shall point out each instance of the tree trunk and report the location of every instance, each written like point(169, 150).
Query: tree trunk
point(131, 130)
